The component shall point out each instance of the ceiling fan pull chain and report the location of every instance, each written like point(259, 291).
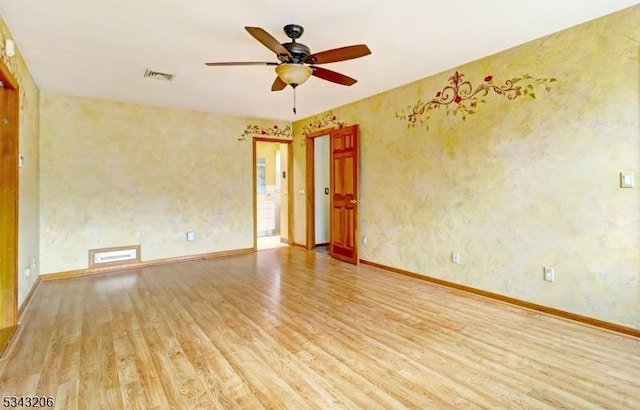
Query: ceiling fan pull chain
point(294, 101)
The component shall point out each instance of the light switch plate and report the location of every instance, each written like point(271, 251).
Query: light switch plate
point(21, 160)
point(626, 179)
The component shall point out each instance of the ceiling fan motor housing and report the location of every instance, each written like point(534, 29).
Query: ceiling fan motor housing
point(298, 50)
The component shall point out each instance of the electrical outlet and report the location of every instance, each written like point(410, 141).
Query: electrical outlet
point(191, 236)
point(364, 240)
point(34, 261)
point(455, 257)
point(548, 274)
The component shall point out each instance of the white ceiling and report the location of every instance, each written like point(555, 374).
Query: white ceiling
point(101, 48)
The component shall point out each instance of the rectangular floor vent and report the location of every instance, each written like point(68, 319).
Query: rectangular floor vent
point(114, 256)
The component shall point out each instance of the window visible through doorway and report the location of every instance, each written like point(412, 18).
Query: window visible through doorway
point(261, 176)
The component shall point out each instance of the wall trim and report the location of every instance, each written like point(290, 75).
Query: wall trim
point(14, 331)
point(513, 301)
point(27, 300)
point(155, 262)
point(299, 245)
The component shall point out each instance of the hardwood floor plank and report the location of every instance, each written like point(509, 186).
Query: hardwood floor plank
point(67, 395)
point(288, 328)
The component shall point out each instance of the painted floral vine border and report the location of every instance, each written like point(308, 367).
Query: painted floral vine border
point(460, 97)
point(327, 120)
point(274, 131)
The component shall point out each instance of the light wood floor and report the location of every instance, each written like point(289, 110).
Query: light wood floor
point(286, 328)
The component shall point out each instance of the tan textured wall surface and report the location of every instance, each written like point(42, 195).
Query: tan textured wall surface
point(519, 184)
point(28, 241)
point(117, 174)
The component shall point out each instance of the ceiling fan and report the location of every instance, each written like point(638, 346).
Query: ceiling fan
point(297, 63)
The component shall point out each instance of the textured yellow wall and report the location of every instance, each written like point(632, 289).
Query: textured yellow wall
point(116, 174)
point(267, 151)
point(28, 241)
point(520, 184)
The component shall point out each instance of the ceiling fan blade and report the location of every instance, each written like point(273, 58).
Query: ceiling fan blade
point(278, 84)
point(332, 76)
point(269, 41)
point(338, 54)
point(231, 63)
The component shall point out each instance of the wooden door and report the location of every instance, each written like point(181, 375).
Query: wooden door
point(343, 170)
point(8, 212)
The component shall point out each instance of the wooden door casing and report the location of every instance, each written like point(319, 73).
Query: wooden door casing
point(8, 210)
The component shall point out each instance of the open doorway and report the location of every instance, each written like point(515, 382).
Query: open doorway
point(321, 198)
point(272, 187)
point(319, 191)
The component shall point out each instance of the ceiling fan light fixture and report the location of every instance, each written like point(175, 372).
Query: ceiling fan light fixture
point(293, 74)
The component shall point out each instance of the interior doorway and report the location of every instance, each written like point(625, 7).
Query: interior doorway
point(9, 118)
point(272, 193)
point(321, 194)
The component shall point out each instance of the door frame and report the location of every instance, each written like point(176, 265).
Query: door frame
point(9, 205)
point(289, 189)
point(310, 185)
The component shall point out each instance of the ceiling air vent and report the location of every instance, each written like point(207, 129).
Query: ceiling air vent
point(158, 75)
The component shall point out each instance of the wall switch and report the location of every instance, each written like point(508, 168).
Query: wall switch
point(191, 236)
point(364, 240)
point(27, 271)
point(21, 160)
point(548, 274)
point(455, 257)
point(626, 179)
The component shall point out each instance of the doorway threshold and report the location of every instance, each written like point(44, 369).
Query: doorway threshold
point(270, 242)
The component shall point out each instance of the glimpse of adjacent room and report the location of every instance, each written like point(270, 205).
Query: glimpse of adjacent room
point(271, 194)
point(321, 203)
